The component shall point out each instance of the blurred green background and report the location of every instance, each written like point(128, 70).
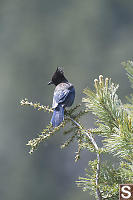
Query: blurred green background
point(88, 38)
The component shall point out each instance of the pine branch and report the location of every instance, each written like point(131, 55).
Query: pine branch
point(89, 135)
point(49, 130)
point(129, 68)
point(45, 134)
point(25, 102)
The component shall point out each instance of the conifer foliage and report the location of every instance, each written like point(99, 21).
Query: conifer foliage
point(114, 124)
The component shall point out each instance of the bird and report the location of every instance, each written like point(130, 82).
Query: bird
point(64, 95)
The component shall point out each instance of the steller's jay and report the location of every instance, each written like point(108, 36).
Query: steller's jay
point(64, 95)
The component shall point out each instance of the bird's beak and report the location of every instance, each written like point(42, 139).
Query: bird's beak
point(50, 82)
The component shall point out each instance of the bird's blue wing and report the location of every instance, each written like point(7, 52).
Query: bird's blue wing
point(60, 97)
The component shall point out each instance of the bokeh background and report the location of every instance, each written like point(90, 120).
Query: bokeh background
point(88, 38)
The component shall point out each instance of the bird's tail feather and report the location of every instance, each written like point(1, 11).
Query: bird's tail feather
point(58, 116)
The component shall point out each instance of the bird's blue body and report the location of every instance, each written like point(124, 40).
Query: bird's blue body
point(64, 95)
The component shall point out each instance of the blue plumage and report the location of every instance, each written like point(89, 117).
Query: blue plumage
point(64, 95)
point(58, 116)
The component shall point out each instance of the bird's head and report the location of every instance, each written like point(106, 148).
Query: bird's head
point(58, 77)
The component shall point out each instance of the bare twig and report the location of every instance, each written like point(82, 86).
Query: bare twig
point(89, 135)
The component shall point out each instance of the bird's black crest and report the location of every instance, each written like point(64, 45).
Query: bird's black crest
point(58, 76)
point(60, 70)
